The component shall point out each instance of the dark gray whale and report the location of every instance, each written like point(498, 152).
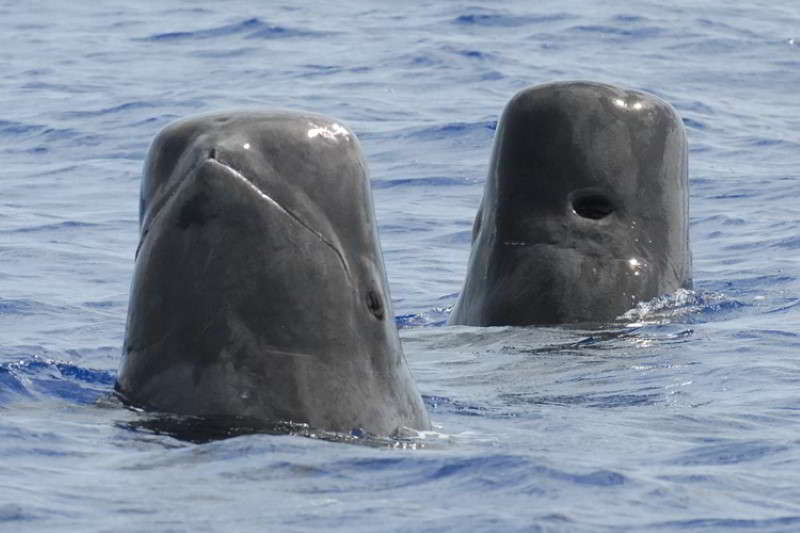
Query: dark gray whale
point(584, 211)
point(259, 288)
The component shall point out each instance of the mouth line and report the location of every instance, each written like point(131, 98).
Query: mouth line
point(517, 243)
point(281, 209)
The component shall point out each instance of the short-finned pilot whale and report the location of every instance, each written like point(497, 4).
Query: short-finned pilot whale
point(259, 288)
point(584, 212)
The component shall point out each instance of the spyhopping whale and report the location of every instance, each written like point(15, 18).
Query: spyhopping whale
point(584, 211)
point(259, 288)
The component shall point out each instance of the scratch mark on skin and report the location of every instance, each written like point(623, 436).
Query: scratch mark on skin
point(267, 198)
point(274, 351)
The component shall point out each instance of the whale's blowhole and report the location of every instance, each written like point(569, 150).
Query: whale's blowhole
point(594, 206)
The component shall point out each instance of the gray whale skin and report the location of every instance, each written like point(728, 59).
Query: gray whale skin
point(259, 288)
point(584, 211)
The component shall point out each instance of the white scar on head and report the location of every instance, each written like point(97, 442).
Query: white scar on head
point(267, 198)
point(332, 132)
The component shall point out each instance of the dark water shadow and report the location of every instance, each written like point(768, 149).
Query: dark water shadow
point(206, 429)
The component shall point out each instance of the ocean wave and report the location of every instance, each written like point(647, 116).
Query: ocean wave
point(647, 32)
point(135, 106)
point(29, 307)
point(17, 129)
point(434, 317)
point(727, 453)
point(67, 224)
point(433, 181)
point(728, 524)
point(35, 376)
point(253, 28)
point(502, 19)
point(601, 400)
point(441, 404)
point(680, 306)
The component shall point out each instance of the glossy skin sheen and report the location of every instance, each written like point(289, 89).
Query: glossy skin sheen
point(259, 289)
point(584, 212)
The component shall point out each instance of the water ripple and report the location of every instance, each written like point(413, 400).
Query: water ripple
point(728, 453)
point(728, 524)
point(636, 33)
point(60, 379)
point(128, 106)
point(16, 129)
point(594, 400)
point(491, 18)
point(434, 181)
point(253, 28)
point(451, 130)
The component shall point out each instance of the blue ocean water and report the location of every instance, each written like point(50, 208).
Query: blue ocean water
point(686, 417)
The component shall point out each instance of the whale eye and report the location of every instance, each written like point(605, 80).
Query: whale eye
point(375, 304)
point(592, 206)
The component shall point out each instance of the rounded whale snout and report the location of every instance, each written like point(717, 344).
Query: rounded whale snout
point(584, 212)
point(259, 289)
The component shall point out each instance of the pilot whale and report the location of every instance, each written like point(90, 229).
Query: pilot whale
point(259, 289)
point(584, 211)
